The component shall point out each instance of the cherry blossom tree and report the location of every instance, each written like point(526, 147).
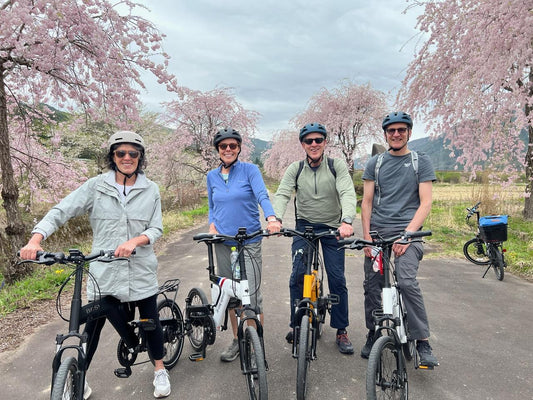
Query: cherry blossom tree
point(286, 148)
point(196, 117)
point(352, 115)
point(473, 79)
point(77, 55)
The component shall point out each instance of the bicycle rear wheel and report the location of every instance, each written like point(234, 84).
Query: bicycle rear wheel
point(172, 322)
point(475, 251)
point(497, 261)
point(386, 374)
point(254, 365)
point(304, 358)
point(199, 336)
point(65, 385)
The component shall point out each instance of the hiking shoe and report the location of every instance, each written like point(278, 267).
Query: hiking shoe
point(161, 383)
point(344, 344)
point(289, 337)
point(370, 340)
point(231, 353)
point(426, 356)
point(87, 391)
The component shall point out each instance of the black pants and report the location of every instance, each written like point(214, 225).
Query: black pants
point(119, 314)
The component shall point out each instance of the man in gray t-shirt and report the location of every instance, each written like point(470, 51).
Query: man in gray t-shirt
point(397, 198)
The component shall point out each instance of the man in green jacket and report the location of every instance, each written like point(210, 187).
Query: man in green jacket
point(325, 199)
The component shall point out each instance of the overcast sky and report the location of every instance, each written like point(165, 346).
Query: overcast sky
point(276, 54)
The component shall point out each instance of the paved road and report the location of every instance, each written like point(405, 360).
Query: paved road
point(481, 333)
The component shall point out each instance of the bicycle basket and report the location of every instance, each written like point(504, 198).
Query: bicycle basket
point(493, 228)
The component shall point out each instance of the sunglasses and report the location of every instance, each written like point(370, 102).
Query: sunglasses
point(391, 131)
point(232, 146)
point(132, 153)
point(317, 140)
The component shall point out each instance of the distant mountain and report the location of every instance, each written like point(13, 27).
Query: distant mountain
point(260, 146)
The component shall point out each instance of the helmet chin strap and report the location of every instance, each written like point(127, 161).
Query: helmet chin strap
point(311, 161)
point(231, 163)
point(126, 177)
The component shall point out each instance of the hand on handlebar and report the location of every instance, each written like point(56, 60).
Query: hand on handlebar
point(345, 230)
point(29, 252)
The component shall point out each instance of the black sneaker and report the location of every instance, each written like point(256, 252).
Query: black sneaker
point(370, 339)
point(289, 337)
point(426, 356)
point(344, 344)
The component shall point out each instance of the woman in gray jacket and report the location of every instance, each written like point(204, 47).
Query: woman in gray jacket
point(124, 209)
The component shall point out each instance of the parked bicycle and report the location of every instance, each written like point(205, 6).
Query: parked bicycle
point(68, 371)
point(310, 312)
point(203, 318)
point(386, 375)
point(487, 247)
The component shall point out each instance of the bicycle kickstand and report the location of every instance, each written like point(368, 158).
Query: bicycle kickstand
point(487, 270)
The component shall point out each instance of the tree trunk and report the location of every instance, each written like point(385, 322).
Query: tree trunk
point(13, 238)
point(528, 203)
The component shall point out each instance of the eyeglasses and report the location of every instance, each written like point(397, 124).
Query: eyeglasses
point(232, 146)
point(317, 140)
point(132, 153)
point(391, 131)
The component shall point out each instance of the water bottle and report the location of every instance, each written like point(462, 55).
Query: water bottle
point(235, 266)
point(378, 260)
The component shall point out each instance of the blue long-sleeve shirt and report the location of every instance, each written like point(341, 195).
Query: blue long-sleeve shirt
point(235, 203)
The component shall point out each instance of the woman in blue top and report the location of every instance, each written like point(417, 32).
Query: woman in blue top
point(235, 190)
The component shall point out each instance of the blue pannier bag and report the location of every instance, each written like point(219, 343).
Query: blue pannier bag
point(493, 228)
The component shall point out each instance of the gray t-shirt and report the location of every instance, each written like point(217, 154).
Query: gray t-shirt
point(398, 189)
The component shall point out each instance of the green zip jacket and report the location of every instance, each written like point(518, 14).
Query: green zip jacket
point(321, 198)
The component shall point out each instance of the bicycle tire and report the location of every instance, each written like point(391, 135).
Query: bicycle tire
point(475, 251)
point(386, 374)
point(171, 319)
point(254, 364)
point(321, 311)
point(198, 336)
point(304, 358)
point(65, 385)
point(497, 262)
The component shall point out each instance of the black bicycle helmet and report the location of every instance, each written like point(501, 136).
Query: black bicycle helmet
point(395, 117)
point(312, 127)
point(228, 133)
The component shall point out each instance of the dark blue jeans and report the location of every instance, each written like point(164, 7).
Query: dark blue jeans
point(334, 264)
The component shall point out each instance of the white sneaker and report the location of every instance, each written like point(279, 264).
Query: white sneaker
point(87, 391)
point(161, 383)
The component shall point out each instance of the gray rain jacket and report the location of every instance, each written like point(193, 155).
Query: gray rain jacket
point(114, 223)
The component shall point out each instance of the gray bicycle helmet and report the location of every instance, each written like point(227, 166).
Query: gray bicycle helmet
point(312, 127)
point(126, 137)
point(395, 117)
point(228, 133)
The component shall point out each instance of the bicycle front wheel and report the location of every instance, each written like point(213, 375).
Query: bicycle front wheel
point(497, 261)
point(254, 365)
point(386, 374)
point(173, 326)
point(304, 358)
point(475, 251)
point(65, 385)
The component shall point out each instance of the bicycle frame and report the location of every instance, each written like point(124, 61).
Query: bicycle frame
point(312, 287)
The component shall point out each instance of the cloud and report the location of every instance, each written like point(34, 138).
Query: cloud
point(276, 54)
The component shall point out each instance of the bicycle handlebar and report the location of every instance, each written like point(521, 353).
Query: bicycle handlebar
point(74, 256)
point(240, 237)
point(473, 210)
point(309, 233)
point(403, 238)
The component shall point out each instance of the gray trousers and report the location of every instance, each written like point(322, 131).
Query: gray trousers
point(254, 265)
point(406, 270)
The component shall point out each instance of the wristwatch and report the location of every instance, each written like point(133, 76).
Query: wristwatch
point(347, 220)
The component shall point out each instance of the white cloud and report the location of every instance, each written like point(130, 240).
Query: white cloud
point(276, 54)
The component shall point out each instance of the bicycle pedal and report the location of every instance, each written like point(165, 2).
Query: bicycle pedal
point(196, 357)
point(333, 299)
point(428, 367)
point(123, 372)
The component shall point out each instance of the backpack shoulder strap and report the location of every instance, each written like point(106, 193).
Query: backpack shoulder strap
point(300, 167)
point(332, 167)
point(414, 163)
